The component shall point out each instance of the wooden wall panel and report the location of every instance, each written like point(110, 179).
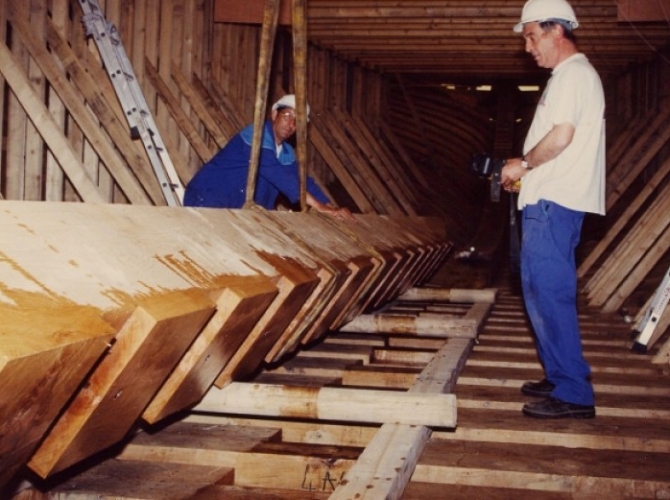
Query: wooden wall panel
point(179, 39)
point(17, 122)
point(621, 271)
point(54, 178)
point(176, 31)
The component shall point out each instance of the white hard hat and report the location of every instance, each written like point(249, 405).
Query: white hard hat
point(288, 101)
point(543, 10)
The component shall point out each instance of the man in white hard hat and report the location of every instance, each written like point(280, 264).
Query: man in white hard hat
point(222, 181)
point(562, 174)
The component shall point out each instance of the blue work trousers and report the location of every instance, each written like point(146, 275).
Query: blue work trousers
point(550, 234)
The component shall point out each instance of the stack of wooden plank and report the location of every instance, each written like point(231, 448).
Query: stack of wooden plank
point(114, 314)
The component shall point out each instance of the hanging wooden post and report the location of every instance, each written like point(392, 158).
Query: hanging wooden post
point(300, 72)
point(270, 19)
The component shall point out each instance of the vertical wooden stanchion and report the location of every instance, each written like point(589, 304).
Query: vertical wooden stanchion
point(300, 72)
point(270, 19)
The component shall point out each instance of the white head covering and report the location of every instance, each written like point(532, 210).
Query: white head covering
point(288, 101)
point(544, 10)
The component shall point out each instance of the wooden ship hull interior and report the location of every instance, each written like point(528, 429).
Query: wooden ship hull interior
point(153, 351)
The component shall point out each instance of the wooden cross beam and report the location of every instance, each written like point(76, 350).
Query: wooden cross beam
point(332, 403)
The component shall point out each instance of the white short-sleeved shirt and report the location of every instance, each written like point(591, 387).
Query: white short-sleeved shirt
point(574, 179)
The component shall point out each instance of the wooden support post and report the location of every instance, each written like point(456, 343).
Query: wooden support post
point(270, 18)
point(300, 76)
point(332, 403)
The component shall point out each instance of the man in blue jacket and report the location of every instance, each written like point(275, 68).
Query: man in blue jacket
point(222, 181)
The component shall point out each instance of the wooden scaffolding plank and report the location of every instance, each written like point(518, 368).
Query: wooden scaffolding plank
point(581, 458)
point(512, 468)
point(266, 463)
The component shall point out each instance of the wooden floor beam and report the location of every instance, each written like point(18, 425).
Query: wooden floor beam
point(332, 403)
point(387, 464)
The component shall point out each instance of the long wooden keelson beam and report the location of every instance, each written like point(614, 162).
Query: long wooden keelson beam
point(113, 314)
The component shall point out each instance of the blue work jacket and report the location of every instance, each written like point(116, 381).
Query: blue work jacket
point(222, 181)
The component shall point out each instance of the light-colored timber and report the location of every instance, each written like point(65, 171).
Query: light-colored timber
point(433, 326)
point(148, 308)
point(493, 451)
point(331, 403)
point(104, 411)
point(155, 321)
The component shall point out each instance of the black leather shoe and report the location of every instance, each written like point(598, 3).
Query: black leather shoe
point(541, 389)
point(555, 408)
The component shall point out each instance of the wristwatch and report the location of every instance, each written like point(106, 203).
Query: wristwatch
point(525, 164)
